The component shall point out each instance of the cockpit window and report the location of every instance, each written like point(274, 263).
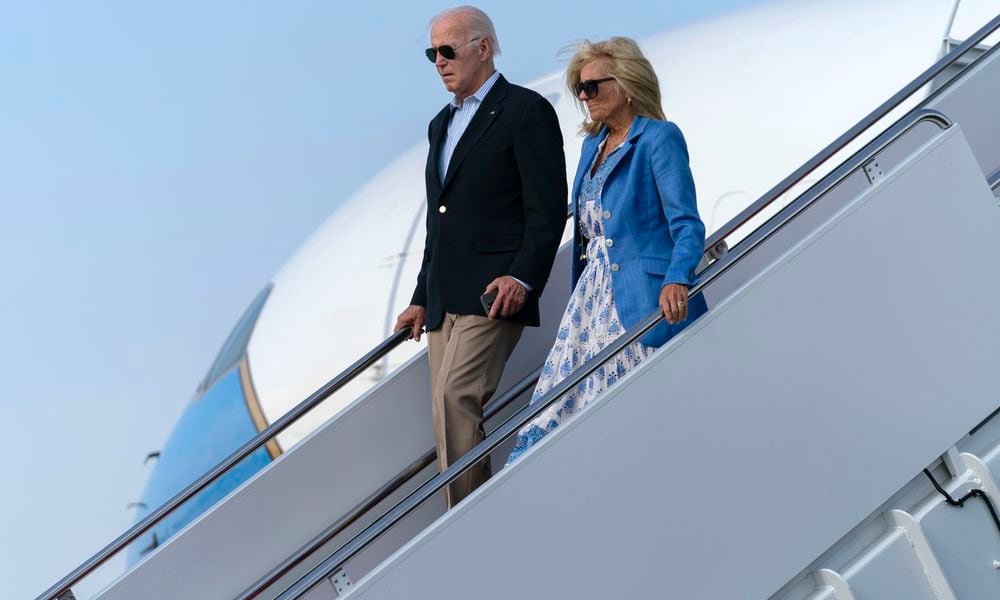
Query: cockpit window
point(211, 428)
point(232, 351)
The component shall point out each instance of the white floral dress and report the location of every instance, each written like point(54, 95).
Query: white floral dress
point(589, 324)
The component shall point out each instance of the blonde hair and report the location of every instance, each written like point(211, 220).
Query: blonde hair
point(631, 70)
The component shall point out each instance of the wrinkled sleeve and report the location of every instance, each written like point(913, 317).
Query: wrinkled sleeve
point(538, 150)
point(675, 185)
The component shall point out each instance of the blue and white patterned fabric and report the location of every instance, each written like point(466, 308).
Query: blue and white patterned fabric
point(589, 324)
point(652, 221)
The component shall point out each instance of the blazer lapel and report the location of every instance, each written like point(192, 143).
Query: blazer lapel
point(638, 125)
point(439, 127)
point(486, 114)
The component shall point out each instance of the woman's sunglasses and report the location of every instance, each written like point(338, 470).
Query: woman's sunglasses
point(591, 87)
point(446, 51)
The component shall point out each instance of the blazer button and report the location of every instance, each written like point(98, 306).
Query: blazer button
point(607, 214)
point(609, 242)
point(442, 209)
point(614, 267)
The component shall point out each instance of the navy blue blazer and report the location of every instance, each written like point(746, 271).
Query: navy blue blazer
point(501, 209)
point(651, 220)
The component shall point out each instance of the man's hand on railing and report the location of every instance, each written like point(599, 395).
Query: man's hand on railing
point(414, 317)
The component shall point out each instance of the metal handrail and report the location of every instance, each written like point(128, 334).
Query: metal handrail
point(851, 134)
point(383, 492)
point(715, 246)
point(60, 589)
point(403, 508)
point(379, 495)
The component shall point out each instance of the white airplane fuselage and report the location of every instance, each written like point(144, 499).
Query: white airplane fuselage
point(756, 94)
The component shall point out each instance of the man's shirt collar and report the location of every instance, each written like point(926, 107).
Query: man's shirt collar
point(480, 93)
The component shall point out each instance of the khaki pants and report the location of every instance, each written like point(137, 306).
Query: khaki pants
point(467, 355)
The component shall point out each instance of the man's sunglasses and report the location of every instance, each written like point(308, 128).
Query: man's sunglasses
point(590, 88)
point(446, 51)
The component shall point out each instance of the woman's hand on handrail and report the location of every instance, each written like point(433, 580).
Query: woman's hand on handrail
point(673, 302)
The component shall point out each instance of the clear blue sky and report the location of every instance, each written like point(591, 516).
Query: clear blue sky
point(158, 164)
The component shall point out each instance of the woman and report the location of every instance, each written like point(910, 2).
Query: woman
point(636, 227)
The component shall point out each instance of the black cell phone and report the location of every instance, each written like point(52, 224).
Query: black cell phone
point(487, 300)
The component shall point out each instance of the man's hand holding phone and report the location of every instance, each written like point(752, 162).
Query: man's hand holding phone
point(510, 297)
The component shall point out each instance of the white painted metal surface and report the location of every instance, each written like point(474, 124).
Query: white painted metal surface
point(309, 325)
point(951, 552)
point(681, 465)
point(748, 123)
point(975, 102)
point(328, 473)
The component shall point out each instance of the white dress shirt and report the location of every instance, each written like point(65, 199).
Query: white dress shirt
point(462, 113)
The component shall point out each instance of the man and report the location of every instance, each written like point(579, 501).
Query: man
point(496, 209)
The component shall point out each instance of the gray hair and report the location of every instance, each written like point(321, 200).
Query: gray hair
point(478, 22)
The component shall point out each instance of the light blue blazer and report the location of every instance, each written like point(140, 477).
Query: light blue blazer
point(651, 220)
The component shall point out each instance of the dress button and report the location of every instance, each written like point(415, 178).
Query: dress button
point(614, 267)
point(442, 209)
point(607, 214)
point(609, 242)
